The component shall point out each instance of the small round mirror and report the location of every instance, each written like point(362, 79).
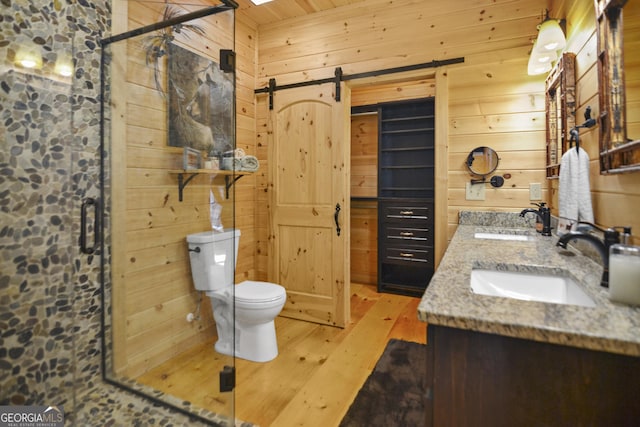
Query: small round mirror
point(482, 161)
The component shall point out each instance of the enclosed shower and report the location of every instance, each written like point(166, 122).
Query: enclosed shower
point(168, 118)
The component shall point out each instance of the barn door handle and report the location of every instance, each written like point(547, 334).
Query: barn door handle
point(84, 247)
point(335, 217)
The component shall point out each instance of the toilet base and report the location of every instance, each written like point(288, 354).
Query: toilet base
point(253, 342)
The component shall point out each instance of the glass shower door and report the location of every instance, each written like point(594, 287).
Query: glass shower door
point(168, 114)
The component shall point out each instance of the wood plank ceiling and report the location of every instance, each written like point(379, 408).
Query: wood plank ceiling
point(279, 10)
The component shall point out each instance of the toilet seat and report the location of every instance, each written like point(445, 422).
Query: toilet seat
point(252, 295)
point(252, 292)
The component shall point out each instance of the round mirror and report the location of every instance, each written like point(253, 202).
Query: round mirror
point(482, 161)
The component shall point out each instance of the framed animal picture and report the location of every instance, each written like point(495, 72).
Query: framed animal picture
point(201, 104)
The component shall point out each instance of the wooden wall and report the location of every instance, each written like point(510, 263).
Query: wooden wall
point(491, 99)
point(364, 185)
point(152, 286)
point(616, 198)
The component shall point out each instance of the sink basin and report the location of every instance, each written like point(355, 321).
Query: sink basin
point(544, 287)
point(504, 234)
point(501, 236)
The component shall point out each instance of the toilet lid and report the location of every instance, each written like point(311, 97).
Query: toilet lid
point(250, 291)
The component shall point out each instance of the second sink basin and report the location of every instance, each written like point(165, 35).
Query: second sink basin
point(503, 234)
point(529, 286)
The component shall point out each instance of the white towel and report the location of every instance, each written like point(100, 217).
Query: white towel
point(249, 163)
point(574, 192)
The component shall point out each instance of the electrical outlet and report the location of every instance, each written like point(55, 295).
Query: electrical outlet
point(475, 191)
point(535, 191)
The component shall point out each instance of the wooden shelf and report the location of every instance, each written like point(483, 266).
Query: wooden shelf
point(230, 177)
point(405, 185)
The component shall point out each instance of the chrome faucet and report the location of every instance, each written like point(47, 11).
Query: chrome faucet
point(611, 236)
point(544, 213)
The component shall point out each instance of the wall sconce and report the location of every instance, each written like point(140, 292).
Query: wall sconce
point(29, 56)
point(64, 65)
point(540, 62)
point(545, 50)
point(550, 35)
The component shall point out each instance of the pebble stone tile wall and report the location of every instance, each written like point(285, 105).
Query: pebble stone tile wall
point(50, 303)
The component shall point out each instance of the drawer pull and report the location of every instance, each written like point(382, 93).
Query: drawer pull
point(406, 233)
point(406, 212)
point(406, 255)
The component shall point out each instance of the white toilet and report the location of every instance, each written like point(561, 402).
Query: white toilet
point(256, 304)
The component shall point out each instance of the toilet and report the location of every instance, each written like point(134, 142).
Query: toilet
point(256, 304)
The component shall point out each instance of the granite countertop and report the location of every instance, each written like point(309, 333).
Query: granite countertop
point(449, 301)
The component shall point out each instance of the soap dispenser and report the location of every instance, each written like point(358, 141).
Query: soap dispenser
point(624, 270)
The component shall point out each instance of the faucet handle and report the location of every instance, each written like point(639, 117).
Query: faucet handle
point(626, 233)
point(611, 237)
point(540, 205)
point(625, 229)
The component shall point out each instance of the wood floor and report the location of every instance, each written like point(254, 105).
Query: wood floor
point(316, 375)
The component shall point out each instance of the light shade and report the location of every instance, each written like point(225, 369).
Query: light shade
point(540, 62)
point(259, 2)
point(548, 56)
point(550, 37)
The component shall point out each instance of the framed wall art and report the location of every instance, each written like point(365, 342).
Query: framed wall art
point(201, 108)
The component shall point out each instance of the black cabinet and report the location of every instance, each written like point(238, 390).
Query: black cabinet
point(405, 196)
point(406, 149)
point(405, 245)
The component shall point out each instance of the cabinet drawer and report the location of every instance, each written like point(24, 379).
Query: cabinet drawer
point(409, 255)
point(407, 212)
point(415, 235)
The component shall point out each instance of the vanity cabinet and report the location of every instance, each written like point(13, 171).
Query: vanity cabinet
point(405, 196)
point(482, 379)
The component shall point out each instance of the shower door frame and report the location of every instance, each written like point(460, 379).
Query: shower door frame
point(108, 375)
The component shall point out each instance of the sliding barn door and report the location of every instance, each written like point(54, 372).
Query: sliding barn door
point(309, 197)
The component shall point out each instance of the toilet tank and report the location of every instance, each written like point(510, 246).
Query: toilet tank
point(213, 258)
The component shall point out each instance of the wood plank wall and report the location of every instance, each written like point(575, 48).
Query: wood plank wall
point(616, 198)
point(364, 184)
point(152, 285)
point(491, 99)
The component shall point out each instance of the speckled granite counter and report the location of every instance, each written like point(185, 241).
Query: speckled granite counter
point(449, 301)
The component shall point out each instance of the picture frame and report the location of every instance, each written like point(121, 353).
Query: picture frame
point(200, 102)
point(560, 108)
point(191, 159)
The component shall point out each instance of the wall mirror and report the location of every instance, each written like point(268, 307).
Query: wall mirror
point(619, 84)
point(482, 161)
point(560, 103)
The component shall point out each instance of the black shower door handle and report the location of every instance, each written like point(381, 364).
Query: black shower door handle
point(84, 246)
point(335, 217)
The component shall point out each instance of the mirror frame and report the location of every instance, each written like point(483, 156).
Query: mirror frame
point(560, 98)
point(617, 153)
point(470, 158)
